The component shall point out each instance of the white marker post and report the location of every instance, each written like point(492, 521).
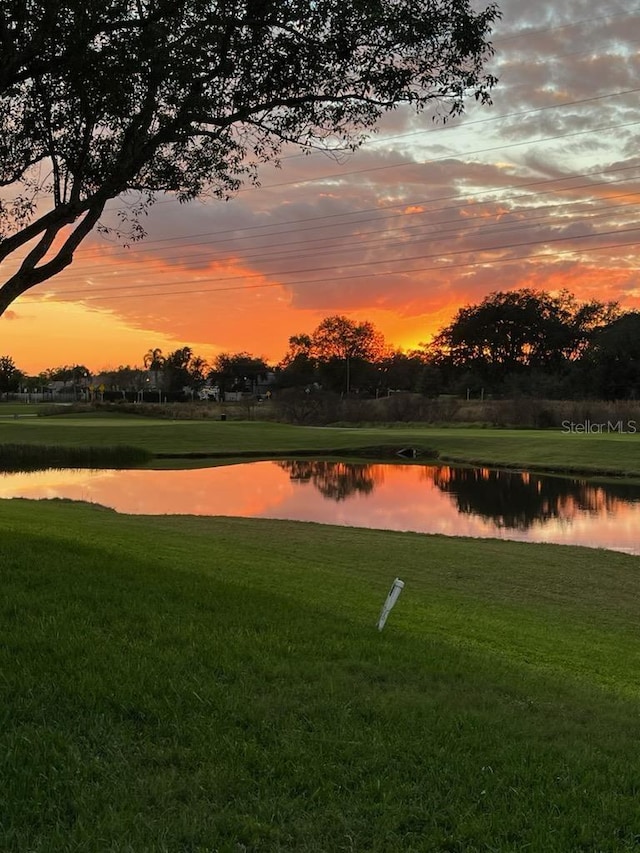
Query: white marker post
point(396, 588)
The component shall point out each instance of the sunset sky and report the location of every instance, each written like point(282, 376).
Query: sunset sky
point(538, 190)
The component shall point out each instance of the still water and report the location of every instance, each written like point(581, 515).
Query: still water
point(429, 499)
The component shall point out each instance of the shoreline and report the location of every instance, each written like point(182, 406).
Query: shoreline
point(399, 455)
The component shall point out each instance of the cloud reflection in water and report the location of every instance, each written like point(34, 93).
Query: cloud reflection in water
point(429, 499)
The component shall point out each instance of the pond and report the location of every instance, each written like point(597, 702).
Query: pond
point(455, 501)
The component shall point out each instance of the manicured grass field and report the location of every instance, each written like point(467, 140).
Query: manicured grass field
point(189, 684)
point(539, 449)
point(192, 684)
point(11, 409)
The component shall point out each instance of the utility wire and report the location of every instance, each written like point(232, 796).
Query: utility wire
point(493, 148)
point(433, 256)
point(429, 233)
point(440, 268)
point(477, 203)
point(149, 245)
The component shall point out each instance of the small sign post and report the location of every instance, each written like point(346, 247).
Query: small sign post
point(396, 588)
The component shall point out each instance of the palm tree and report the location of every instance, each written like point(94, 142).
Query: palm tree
point(154, 362)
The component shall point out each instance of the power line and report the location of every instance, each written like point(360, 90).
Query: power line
point(269, 251)
point(475, 203)
point(447, 268)
point(405, 163)
point(439, 129)
point(460, 231)
point(493, 148)
point(632, 13)
point(150, 244)
point(432, 256)
point(489, 150)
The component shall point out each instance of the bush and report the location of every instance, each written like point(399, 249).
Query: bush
point(550, 414)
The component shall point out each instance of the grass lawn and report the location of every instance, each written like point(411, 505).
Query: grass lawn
point(11, 409)
point(192, 684)
point(539, 449)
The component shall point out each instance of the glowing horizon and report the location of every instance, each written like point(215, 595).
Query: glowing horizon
point(538, 190)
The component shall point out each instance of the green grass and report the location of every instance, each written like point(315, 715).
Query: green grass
point(37, 457)
point(11, 408)
point(189, 684)
point(538, 449)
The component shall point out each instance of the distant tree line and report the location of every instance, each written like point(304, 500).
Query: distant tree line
point(512, 344)
point(531, 343)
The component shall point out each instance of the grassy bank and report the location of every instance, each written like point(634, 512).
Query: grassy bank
point(36, 457)
point(551, 450)
point(185, 684)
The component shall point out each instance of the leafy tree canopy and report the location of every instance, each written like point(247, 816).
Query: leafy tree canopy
point(73, 374)
point(401, 370)
point(613, 359)
point(329, 355)
point(238, 371)
point(104, 97)
point(125, 378)
point(340, 338)
point(183, 369)
point(10, 376)
point(520, 328)
point(154, 359)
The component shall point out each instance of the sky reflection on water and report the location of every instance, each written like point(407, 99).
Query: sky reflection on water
point(429, 499)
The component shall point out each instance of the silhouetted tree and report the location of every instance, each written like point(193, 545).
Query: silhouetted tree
point(510, 332)
point(339, 355)
point(343, 350)
point(198, 372)
point(430, 383)
point(238, 371)
point(298, 368)
point(103, 98)
point(400, 371)
point(125, 378)
point(177, 370)
point(154, 362)
point(339, 337)
point(10, 376)
point(613, 360)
